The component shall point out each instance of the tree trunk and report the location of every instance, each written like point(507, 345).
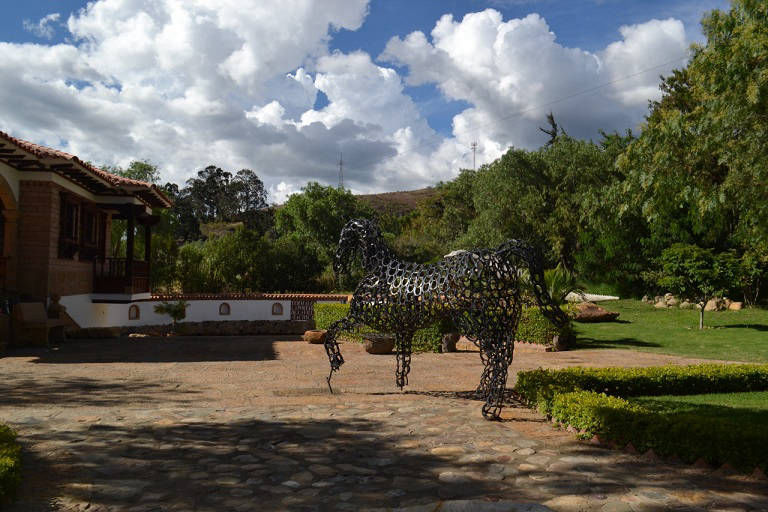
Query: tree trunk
point(701, 317)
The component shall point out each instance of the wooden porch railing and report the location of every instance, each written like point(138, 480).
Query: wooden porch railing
point(110, 275)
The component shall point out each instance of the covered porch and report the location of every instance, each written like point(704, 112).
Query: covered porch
point(127, 274)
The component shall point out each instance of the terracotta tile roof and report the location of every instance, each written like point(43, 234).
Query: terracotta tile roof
point(45, 152)
point(249, 296)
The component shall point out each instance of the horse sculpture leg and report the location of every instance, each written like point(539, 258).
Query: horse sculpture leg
point(403, 346)
point(499, 358)
point(332, 346)
point(483, 388)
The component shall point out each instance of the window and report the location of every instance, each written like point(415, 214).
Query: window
point(81, 229)
point(224, 309)
point(134, 313)
point(91, 239)
point(68, 227)
point(277, 309)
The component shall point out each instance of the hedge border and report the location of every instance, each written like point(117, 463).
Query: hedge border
point(538, 387)
point(428, 339)
point(10, 464)
point(683, 434)
point(593, 401)
point(534, 328)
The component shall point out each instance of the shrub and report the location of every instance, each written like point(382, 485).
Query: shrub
point(534, 327)
point(428, 339)
point(10, 463)
point(539, 387)
point(684, 434)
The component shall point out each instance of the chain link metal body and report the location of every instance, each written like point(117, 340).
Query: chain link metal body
point(479, 290)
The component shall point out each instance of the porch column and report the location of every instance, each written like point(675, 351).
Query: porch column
point(131, 228)
point(147, 243)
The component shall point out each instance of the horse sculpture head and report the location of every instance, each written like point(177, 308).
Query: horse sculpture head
point(356, 234)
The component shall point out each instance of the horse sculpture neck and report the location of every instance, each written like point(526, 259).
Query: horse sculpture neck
point(375, 254)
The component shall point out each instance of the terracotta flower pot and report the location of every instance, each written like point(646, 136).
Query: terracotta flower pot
point(315, 337)
point(379, 343)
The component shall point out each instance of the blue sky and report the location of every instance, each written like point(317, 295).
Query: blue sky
point(272, 90)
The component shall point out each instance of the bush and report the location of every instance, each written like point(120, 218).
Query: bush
point(329, 312)
point(10, 464)
point(428, 339)
point(534, 327)
point(684, 434)
point(539, 387)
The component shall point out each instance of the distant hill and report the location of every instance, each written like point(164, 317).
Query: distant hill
point(398, 203)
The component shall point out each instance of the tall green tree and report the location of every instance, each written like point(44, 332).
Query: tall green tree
point(317, 214)
point(541, 196)
point(699, 170)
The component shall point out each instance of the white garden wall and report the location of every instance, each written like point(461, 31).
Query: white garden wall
point(88, 314)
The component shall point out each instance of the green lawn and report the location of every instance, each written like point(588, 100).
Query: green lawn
point(749, 407)
point(730, 335)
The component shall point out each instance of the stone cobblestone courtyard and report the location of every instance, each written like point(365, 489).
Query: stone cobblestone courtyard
point(247, 423)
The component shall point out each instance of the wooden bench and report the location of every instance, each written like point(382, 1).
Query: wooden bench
point(31, 325)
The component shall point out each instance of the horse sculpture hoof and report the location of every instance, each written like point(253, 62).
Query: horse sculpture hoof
point(491, 412)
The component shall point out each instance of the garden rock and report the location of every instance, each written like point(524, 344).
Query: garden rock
point(588, 312)
point(315, 337)
point(686, 305)
point(673, 301)
point(715, 304)
point(736, 306)
point(379, 343)
point(662, 304)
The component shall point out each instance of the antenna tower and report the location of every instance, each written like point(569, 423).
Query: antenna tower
point(341, 171)
point(474, 154)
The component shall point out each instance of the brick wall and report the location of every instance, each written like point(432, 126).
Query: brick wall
point(40, 271)
point(36, 237)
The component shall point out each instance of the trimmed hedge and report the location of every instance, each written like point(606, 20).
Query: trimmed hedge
point(534, 327)
point(10, 464)
point(428, 339)
point(329, 312)
point(687, 435)
point(538, 387)
point(593, 400)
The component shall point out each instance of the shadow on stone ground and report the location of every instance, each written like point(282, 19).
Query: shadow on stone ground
point(308, 465)
point(182, 349)
point(24, 390)
point(294, 463)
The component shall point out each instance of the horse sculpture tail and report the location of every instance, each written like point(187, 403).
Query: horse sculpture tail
point(535, 262)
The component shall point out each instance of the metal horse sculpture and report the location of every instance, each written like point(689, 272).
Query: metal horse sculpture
point(478, 290)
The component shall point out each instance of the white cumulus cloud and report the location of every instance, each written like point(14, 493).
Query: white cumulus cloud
point(44, 28)
point(235, 83)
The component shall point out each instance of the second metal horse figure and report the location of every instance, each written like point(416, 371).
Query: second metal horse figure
point(479, 290)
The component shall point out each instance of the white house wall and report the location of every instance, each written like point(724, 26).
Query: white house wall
point(88, 314)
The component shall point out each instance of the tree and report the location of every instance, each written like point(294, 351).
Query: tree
point(142, 170)
point(699, 171)
point(439, 222)
point(208, 194)
point(697, 274)
point(249, 196)
point(541, 196)
point(316, 216)
point(176, 310)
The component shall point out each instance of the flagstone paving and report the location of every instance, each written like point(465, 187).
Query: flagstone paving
point(241, 424)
